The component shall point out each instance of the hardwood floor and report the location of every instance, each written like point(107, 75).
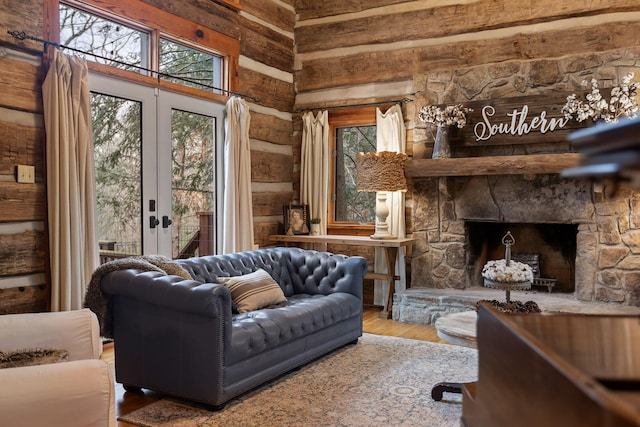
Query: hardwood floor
point(127, 402)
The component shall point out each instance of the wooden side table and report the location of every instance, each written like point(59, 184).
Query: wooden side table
point(390, 247)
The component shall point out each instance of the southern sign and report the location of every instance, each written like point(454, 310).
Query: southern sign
point(517, 122)
point(520, 120)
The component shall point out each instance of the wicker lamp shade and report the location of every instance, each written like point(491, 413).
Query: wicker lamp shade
point(382, 171)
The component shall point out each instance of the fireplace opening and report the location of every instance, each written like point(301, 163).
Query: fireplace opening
point(553, 246)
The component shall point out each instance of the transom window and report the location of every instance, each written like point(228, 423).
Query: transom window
point(127, 47)
point(189, 66)
point(112, 42)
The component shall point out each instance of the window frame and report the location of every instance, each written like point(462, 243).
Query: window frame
point(357, 116)
point(159, 24)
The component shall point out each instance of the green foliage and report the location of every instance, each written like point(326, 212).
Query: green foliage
point(352, 206)
point(117, 147)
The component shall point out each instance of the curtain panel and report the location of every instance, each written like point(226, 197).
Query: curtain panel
point(314, 169)
point(71, 196)
point(391, 136)
point(237, 229)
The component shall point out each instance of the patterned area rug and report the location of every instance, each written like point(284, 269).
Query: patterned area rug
point(380, 381)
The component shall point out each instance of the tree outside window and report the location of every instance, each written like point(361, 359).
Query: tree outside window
point(351, 131)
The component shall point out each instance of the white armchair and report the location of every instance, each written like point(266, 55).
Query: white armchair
point(77, 392)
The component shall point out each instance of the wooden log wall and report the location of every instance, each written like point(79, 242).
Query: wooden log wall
point(23, 240)
point(370, 51)
point(265, 29)
point(347, 51)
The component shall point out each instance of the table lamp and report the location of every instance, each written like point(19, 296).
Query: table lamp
point(381, 172)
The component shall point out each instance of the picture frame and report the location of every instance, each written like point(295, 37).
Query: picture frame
point(296, 219)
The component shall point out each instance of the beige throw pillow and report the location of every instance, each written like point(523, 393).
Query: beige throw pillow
point(253, 291)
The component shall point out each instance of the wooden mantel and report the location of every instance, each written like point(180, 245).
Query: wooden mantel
point(533, 164)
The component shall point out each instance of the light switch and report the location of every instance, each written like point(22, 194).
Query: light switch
point(26, 174)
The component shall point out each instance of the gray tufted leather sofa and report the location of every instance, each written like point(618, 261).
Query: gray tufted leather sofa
point(180, 336)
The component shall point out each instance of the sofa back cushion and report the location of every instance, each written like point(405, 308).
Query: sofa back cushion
point(297, 271)
point(315, 272)
point(208, 269)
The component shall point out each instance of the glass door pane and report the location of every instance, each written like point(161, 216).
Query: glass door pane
point(192, 183)
point(117, 151)
point(124, 131)
point(189, 168)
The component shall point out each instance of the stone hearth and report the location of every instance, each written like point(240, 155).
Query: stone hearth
point(425, 306)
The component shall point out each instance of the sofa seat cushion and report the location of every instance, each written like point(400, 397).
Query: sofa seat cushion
point(301, 315)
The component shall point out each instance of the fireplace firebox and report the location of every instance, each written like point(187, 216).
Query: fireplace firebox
point(552, 247)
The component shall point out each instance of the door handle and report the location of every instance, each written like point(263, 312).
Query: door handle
point(153, 221)
point(166, 222)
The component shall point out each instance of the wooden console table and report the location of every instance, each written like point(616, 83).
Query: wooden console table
point(390, 247)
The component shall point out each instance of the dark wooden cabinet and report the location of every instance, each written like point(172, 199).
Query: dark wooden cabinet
point(554, 370)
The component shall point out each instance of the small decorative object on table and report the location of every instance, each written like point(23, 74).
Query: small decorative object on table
point(443, 119)
point(315, 226)
point(507, 274)
point(296, 220)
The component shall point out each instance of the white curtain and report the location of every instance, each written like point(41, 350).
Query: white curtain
point(237, 229)
point(391, 136)
point(71, 198)
point(314, 169)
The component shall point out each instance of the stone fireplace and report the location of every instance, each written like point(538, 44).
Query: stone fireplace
point(588, 240)
point(586, 234)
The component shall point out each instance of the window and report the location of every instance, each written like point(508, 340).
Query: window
point(352, 131)
point(350, 205)
point(148, 45)
point(122, 46)
point(188, 66)
point(113, 43)
point(157, 100)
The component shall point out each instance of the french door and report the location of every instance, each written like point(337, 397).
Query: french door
point(158, 168)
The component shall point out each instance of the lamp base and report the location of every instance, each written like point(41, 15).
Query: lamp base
point(382, 212)
point(377, 236)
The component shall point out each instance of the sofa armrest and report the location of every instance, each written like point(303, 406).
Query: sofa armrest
point(171, 292)
point(78, 393)
point(76, 331)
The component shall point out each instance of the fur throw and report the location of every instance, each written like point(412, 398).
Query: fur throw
point(31, 357)
point(99, 303)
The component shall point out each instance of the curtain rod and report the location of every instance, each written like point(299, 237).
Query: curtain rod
point(404, 100)
point(21, 35)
